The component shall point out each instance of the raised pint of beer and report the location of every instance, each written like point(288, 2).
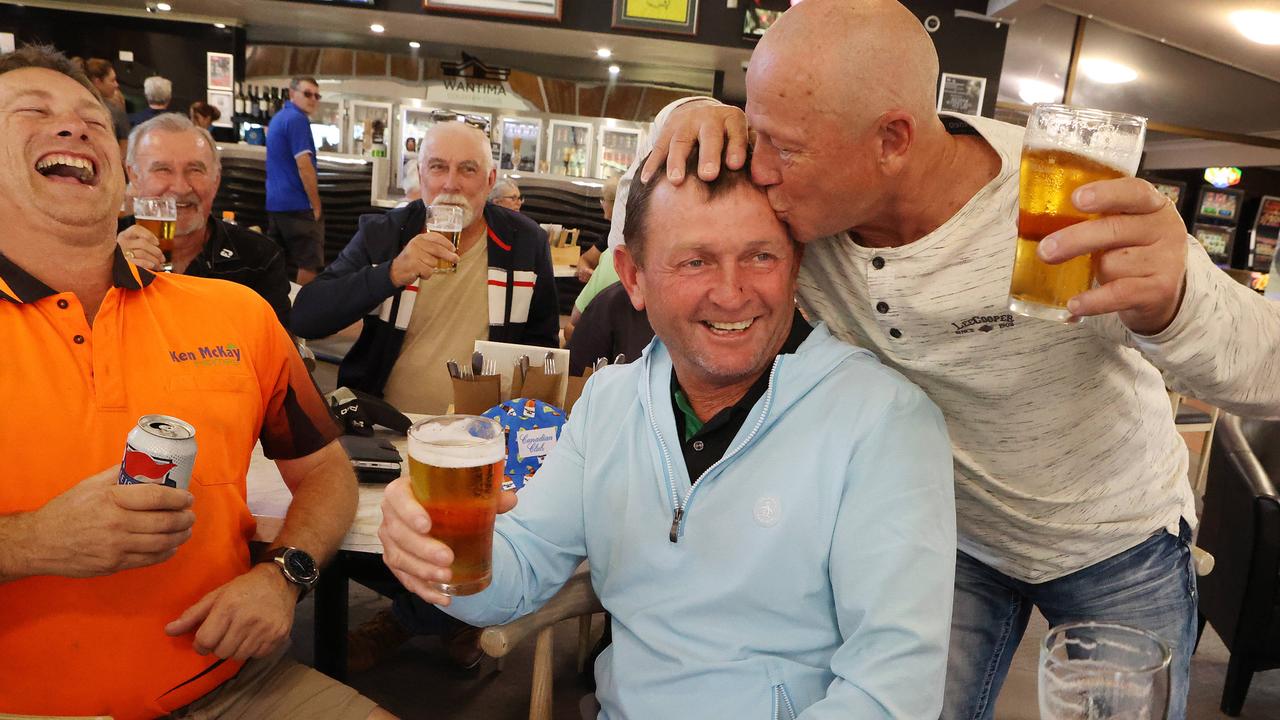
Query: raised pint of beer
point(160, 216)
point(1064, 148)
point(455, 470)
point(446, 220)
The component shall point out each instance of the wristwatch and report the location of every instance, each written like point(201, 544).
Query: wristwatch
point(297, 566)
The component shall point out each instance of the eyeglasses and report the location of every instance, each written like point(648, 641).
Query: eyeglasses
point(517, 198)
point(310, 95)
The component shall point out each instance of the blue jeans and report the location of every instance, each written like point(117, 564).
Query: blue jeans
point(1151, 586)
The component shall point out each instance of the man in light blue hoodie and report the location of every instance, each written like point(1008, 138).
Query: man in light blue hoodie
point(768, 512)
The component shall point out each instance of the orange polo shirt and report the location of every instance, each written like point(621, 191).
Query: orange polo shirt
point(207, 351)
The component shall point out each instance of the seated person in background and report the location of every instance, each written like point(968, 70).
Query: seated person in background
point(610, 326)
point(794, 551)
point(507, 194)
point(603, 277)
point(141, 601)
point(203, 114)
point(591, 258)
point(169, 155)
point(503, 289)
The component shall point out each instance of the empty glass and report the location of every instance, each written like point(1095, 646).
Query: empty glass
point(1103, 671)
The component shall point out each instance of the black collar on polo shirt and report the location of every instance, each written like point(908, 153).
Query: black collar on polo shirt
point(19, 286)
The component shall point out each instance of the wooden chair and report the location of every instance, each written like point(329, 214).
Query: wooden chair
point(1192, 419)
point(575, 599)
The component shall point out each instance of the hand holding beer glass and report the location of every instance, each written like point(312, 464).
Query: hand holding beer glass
point(159, 215)
point(455, 472)
point(446, 220)
point(1063, 149)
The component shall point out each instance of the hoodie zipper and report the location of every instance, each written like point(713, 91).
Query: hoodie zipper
point(682, 505)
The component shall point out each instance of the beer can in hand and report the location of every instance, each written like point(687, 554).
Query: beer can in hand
point(1064, 148)
point(455, 470)
point(446, 220)
point(160, 449)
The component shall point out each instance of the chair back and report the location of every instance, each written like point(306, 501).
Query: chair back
point(1240, 527)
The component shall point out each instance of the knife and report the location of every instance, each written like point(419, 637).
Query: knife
point(453, 370)
point(524, 367)
point(477, 363)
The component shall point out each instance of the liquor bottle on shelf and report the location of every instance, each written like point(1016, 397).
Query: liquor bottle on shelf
point(264, 106)
point(238, 103)
point(251, 103)
point(278, 102)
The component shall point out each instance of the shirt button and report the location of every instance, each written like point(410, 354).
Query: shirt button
point(882, 307)
point(895, 333)
point(63, 304)
point(697, 445)
point(79, 339)
point(877, 262)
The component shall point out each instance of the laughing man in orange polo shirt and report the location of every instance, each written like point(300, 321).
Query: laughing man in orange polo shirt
point(141, 601)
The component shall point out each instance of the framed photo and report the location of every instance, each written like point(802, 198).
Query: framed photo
point(541, 9)
point(961, 94)
point(669, 16)
point(219, 71)
point(225, 104)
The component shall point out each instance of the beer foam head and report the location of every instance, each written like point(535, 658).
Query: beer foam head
point(1112, 139)
point(455, 441)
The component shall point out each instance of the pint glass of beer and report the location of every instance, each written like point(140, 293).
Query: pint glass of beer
point(1064, 148)
point(160, 216)
point(455, 470)
point(446, 220)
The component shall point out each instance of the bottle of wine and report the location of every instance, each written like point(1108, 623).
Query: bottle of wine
point(239, 100)
point(264, 107)
point(252, 102)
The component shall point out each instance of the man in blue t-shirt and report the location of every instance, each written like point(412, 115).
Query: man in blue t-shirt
point(293, 193)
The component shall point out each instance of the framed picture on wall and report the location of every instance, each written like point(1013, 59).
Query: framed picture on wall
point(670, 16)
point(219, 71)
point(961, 94)
point(542, 9)
point(225, 104)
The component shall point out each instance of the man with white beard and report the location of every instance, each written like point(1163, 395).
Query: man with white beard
point(170, 156)
point(416, 317)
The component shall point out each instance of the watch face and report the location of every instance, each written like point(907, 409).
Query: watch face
point(300, 565)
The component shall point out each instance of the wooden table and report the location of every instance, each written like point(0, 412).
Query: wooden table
point(359, 556)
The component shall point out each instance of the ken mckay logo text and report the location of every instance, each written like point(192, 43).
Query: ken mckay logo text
point(983, 323)
point(208, 355)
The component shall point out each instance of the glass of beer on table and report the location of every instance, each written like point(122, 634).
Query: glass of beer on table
point(1064, 148)
point(446, 220)
point(455, 470)
point(160, 216)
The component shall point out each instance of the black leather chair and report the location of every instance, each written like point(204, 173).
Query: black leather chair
point(1240, 527)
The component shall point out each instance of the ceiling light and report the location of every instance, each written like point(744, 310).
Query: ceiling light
point(1259, 26)
point(220, 26)
point(1106, 71)
point(377, 28)
point(164, 7)
point(614, 69)
point(604, 53)
point(1038, 91)
point(415, 44)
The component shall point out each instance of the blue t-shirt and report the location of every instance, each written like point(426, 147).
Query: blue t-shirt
point(288, 136)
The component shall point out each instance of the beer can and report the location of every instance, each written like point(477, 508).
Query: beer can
point(160, 449)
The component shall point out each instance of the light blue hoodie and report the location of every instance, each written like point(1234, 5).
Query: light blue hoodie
point(812, 573)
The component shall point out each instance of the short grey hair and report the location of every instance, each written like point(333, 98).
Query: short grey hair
point(171, 123)
point(159, 90)
point(503, 187)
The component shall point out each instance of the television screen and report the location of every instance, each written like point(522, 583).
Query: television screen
point(1216, 240)
point(1218, 204)
point(1269, 212)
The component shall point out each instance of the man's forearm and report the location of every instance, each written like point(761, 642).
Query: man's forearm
point(15, 540)
point(324, 503)
point(311, 184)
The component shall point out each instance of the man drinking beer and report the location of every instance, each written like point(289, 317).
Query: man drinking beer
point(1071, 484)
point(767, 511)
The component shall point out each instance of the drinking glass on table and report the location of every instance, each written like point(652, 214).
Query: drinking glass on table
point(1064, 148)
point(446, 220)
point(1103, 671)
point(455, 471)
point(160, 216)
